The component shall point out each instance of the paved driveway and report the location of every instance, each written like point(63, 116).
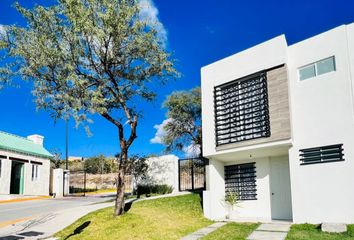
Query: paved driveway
point(45, 216)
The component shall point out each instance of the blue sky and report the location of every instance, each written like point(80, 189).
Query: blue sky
point(198, 32)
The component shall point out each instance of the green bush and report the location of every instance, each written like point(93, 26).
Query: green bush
point(81, 190)
point(153, 189)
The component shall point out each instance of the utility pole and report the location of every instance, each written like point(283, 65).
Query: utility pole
point(66, 145)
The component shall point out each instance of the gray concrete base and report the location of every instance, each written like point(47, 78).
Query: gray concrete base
point(270, 231)
point(203, 232)
point(334, 227)
point(271, 227)
point(263, 235)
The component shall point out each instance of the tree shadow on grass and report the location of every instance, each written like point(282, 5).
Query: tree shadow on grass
point(128, 205)
point(79, 229)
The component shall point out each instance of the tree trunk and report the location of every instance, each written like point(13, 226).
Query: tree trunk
point(119, 206)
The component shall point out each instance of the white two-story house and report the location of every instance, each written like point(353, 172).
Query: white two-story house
point(278, 129)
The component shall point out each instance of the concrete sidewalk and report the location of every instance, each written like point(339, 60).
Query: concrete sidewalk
point(270, 231)
point(20, 198)
point(204, 231)
point(46, 225)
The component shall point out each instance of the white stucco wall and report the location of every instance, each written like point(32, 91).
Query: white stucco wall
point(5, 176)
point(259, 208)
point(322, 114)
point(263, 56)
point(214, 205)
point(38, 187)
point(163, 170)
point(60, 181)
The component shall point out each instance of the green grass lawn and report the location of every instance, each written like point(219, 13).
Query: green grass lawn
point(232, 231)
point(313, 232)
point(165, 218)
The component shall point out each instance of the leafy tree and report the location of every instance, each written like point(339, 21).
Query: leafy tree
point(56, 160)
point(90, 57)
point(95, 165)
point(183, 129)
point(100, 165)
point(138, 167)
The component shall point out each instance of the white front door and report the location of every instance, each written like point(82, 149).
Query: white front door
point(280, 189)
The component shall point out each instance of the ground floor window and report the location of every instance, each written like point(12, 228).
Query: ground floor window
point(35, 169)
point(241, 178)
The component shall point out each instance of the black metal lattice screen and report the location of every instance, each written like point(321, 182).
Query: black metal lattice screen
point(241, 109)
point(241, 179)
point(191, 174)
point(330, 153)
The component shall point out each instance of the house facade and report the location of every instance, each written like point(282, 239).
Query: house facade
point(278, 129)
point(24, 165)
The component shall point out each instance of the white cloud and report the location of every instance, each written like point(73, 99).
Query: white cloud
point(191, 151)
point(149, 13)
point(2, 30)
point(160, 132)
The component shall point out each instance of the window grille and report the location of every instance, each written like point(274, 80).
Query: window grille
point(330, 153)
point(241, 179)
point(241, 109)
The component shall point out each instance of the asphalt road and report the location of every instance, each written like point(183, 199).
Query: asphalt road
point(31, 209)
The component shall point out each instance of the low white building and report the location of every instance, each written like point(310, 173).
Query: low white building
point(278, 128)
point(24, 165)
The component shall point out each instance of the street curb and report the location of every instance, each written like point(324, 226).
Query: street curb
point(24, 199)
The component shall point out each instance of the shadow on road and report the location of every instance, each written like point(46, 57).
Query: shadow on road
point(11, 237)
point(21, 235)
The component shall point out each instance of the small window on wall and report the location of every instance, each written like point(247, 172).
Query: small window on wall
point(330, 153)
point(35, 169)
point(317, 68)
point(241, 178)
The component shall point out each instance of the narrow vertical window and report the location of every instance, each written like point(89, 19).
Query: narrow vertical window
point(37, 169)
point(0, 167)
point(34, 172)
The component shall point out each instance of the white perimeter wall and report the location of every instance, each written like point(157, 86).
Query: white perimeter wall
point(322, 114)
point(163, 170)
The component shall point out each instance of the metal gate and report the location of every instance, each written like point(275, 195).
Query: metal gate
point(77, 182)
point(191, 174)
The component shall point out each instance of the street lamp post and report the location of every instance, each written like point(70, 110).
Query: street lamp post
point(66, 145)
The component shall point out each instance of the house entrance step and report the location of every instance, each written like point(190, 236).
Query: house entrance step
point(270, 231)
